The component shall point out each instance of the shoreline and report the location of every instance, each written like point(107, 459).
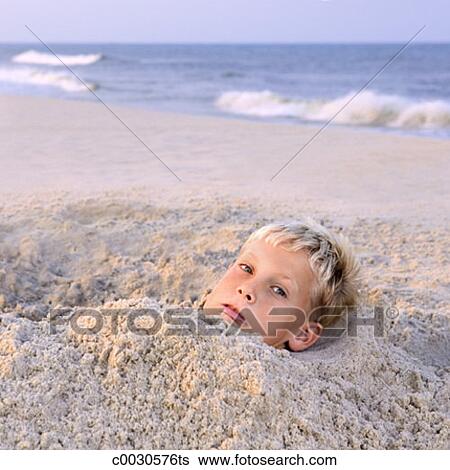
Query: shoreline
point(243, 118)
point(72, 146)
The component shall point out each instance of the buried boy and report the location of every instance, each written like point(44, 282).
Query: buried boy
point(285, 270)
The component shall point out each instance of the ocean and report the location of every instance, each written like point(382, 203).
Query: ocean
point(295, 83)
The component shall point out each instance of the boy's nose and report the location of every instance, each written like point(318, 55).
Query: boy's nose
point(250, 297)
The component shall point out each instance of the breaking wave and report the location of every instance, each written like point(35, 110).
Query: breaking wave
point(33, 76)
point(42, 58)
point(368, 108)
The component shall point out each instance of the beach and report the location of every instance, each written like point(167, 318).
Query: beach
point(131, 208)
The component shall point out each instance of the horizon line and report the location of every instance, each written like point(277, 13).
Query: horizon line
point(218, 43)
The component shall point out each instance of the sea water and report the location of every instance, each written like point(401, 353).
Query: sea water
point(295, 83)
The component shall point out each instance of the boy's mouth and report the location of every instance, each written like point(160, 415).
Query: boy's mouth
point(233, 314)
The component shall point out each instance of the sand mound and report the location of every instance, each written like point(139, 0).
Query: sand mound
point(69, 390)
point(123, 390)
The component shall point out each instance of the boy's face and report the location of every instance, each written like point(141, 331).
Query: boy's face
point(263, 277)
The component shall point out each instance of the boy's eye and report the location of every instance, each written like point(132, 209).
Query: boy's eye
point(246, 265)
point(280, 291)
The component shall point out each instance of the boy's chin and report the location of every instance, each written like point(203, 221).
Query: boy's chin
point(227, 319)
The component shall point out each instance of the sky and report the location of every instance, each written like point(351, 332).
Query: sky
point(225, 21)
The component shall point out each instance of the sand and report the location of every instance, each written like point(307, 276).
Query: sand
point(89, 219)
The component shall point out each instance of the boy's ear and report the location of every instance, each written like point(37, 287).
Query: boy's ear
point(306, 337)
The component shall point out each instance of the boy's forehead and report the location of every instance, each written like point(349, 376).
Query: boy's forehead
point(289, 262)
point(255, 247)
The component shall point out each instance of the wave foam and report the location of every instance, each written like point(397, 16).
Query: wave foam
point(32, 76)
point(42, 58)
point(368, 108)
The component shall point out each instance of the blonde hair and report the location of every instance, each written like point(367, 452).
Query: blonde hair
point(331, 259)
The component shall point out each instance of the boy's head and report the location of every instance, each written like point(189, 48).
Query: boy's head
point(299, 269)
